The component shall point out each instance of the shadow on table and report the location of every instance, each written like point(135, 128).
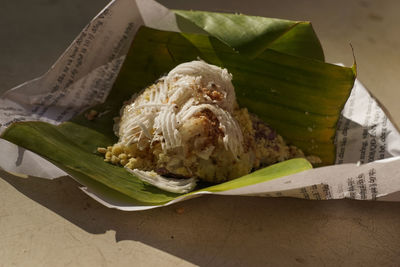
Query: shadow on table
point(217, 230)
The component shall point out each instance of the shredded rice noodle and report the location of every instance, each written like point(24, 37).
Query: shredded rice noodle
point(157, 115)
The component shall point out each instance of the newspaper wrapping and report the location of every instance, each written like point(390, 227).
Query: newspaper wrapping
point(367, 143)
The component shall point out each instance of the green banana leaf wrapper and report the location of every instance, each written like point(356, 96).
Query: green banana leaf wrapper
point(279, 73)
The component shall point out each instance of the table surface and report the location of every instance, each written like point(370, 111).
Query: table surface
point(52, 223)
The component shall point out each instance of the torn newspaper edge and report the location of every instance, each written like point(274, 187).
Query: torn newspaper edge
point(368, 144)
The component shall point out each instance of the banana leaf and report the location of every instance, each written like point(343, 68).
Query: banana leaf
point(295, 92)
point(75, 154)
point(252, 35)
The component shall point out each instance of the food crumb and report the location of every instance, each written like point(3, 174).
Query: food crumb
point(314, 159)
point(91, 115)
point(300, 260)
point(102, 150)
point(180, 210)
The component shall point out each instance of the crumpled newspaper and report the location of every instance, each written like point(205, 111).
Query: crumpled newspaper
point(368, 144)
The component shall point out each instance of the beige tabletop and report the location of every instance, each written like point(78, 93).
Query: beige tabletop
point(52, 223)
